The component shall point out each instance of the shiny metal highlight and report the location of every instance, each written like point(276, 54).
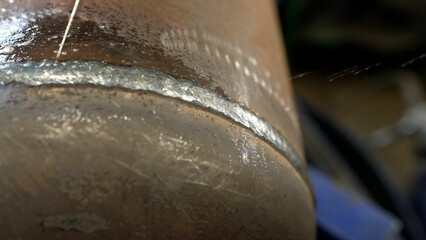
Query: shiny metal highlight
point(136, 78)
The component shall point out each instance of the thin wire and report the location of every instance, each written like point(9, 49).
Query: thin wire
point(74, 10)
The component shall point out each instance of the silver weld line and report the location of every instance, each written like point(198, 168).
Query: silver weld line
point(135, 78)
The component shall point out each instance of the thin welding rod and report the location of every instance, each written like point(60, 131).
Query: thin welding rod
point(74, 10)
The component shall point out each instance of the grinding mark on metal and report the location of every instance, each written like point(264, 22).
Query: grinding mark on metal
point(135, 78)
point(86, 223)
point(74, 10)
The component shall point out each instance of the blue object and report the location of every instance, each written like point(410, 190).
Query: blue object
point(419, 197)
point(346, 215)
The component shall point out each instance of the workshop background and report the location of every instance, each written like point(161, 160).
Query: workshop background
point(359, 71)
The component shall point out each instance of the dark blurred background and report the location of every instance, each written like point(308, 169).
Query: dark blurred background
point(359, 66)
point(342, 53)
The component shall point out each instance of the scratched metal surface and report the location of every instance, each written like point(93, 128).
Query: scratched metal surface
point(75, 72)
point(96, 163)
point(233, 47)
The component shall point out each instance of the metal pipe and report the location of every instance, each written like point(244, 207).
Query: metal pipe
point(162, 119)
